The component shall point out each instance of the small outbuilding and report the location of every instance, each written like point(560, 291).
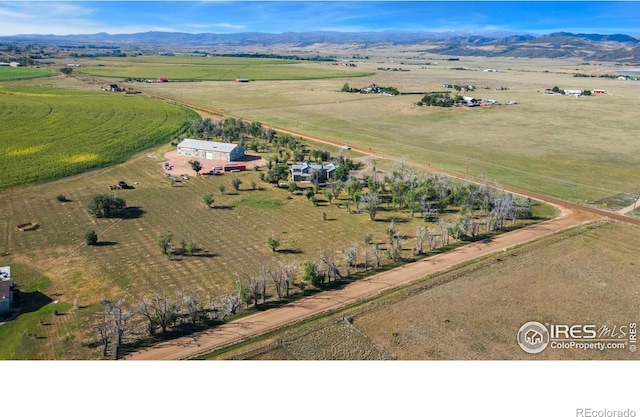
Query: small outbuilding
point(205, 149)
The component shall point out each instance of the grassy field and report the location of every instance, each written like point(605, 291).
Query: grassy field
point(53, 133)
point(475, 311)
point(23, 73)
point(580, 149)
point(214, 68)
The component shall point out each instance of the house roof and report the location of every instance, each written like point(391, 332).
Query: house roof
point(309, 165)
point(207, 145)
point(5, 283)
point(5, 273)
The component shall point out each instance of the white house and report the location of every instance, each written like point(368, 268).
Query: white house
point(6, 289)
point(205, 149)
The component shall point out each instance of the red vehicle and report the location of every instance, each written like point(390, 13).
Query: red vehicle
point(234, 167)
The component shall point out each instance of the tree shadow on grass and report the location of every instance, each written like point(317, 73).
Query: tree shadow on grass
point(223, 207)
point(290, 251)
point(203, 255)
point(390, 219)
point(133, 212)
point(105, 243)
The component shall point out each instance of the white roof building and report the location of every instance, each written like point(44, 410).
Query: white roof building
point(210, 150)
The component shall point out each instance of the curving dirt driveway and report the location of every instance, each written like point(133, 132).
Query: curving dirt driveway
point(259, 323)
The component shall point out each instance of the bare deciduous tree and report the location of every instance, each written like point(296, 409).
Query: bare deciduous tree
point(328, 265)
point(444, 231)
point(369, 202)
point(421, 234)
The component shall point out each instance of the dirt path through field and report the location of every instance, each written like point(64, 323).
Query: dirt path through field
point(259, 323)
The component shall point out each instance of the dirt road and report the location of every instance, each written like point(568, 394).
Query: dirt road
point(259, 323)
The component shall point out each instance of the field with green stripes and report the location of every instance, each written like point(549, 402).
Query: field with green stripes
point(53, 133)
point(23, 73)
point(215, 68)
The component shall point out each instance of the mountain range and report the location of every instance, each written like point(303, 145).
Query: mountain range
point(615, 47)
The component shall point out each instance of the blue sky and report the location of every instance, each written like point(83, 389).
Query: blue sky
point(82, 17)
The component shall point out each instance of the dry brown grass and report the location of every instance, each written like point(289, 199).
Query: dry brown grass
point(586, 275)
point(580, 149)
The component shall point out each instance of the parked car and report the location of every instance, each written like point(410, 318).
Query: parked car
point(347, 147)
point(184, 177)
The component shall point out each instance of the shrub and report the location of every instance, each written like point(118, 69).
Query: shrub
point(208, 199)
point(104, 205)
point(61, 198)
point(91, 237)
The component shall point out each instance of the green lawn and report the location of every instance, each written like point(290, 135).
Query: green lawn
point(53, 133)
point(215, 68)
point(23, 73)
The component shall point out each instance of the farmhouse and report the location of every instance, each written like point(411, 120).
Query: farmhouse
point(469, 101)
point(576, 93)
point(210, 150)
point(305, 171)
point(6, 289)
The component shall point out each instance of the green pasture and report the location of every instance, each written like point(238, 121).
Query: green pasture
point(214, 69)
point(23, 73)
point(54, 133)
point(582, 149)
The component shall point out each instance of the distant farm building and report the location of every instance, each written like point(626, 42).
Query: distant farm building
point(469, 101)
point(598, 91)
point(112, 87)
point(576, 93)
point(306, 170)
point(210, 150)
point(6, 289)
point(163, 80)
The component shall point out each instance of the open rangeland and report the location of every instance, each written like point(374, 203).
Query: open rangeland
point(475, 310)
point(580, 149)
point(54, 263)
point(52, 133)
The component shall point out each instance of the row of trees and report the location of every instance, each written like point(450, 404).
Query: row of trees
point(377, 89)
point(439, 100)
point(159, 313)
point(230, 129)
